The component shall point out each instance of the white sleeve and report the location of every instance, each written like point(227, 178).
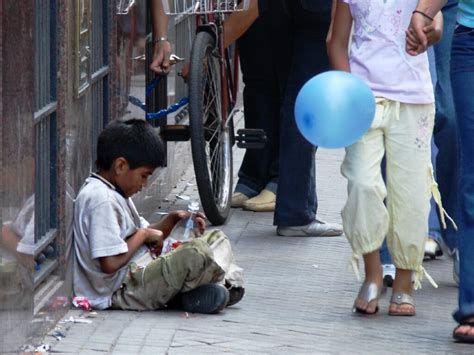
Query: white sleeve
point(144, 223)
point(105, 230)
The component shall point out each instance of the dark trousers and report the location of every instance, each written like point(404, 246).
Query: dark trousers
point(259, 169)
point(300, 54)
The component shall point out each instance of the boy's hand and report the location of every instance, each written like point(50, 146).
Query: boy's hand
point(168, 222)
point(154, 240)
point(200, 219)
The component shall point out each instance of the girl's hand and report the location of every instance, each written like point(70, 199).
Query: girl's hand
point(413, 46)
point(161, 54)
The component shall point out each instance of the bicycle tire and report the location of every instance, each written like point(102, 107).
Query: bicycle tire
point(211, 137)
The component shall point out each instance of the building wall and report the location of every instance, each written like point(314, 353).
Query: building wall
point(27, 310)
point(17, 168)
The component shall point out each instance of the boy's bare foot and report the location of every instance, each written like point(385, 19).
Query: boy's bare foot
point(401, 303)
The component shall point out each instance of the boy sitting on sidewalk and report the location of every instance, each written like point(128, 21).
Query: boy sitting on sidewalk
point(113, 245)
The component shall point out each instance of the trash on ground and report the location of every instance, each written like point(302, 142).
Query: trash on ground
point(315, 266)
point(91, 314)
point(82, 302)
point(27, 348)
point(43, 348)
point(59, 335)
point(183, 197)
point(76, 320)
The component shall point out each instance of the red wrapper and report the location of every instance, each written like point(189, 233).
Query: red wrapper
point(82, 302)
point(176, 244)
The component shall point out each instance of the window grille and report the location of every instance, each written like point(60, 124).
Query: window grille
point(45, 73)
point(100, 69)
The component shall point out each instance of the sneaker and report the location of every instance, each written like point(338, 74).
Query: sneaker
point(432, 248)
point(235, 295)
point(207, 299)
point(388, 274)
point(263, 202)
point(238, 199)
point(316, 228)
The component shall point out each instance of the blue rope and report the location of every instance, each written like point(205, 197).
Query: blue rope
point(137, 102)
point(154, 83)
point(164, 112)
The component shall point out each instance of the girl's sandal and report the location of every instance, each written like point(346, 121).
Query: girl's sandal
point(369, 291)
point(401, 298)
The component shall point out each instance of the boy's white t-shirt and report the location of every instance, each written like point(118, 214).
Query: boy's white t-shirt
point(378, 54)
point(103, 219)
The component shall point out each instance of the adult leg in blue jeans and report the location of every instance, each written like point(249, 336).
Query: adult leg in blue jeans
point(445, 133)
point(434, 240)
point(259, 169)
point(462, 77)
point(296, 205)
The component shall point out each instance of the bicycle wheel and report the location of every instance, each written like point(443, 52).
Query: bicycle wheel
point(211, 134)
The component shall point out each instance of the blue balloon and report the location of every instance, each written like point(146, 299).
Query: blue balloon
point(334, 109)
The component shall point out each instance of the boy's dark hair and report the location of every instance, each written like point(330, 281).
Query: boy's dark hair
point(135, 140)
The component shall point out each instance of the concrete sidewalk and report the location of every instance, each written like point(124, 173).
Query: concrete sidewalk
point(299, 295)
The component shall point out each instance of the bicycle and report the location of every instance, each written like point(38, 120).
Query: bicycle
point(213, 87)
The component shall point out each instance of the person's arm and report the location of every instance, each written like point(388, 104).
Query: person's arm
point(239, 22)
point(434, 32)
point(333, 13)
point(161, 46)
point(110, 264)
point(338, 44)
point(422, 17)
point(9, 239)
point(430, 7)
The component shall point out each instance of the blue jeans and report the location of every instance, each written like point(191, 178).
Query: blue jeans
point(462, 78)
point(445, 134)
point(433, 220)
point(259, 169)
point(296, 202)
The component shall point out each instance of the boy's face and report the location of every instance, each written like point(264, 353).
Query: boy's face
point(129, 180)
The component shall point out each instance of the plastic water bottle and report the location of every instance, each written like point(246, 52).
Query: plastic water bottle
point(185, 230)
